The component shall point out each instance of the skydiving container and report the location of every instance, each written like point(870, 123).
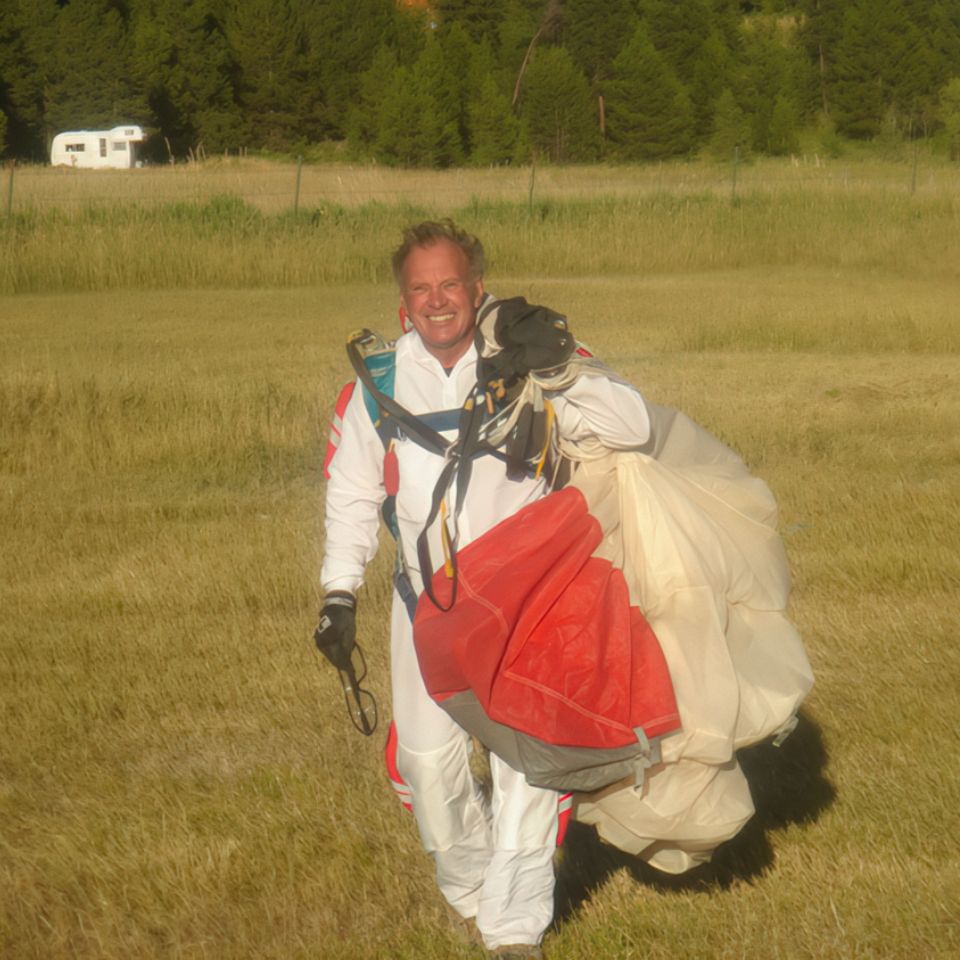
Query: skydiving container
point(114, 149)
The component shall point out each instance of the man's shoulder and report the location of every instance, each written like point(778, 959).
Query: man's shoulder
point(408, 347)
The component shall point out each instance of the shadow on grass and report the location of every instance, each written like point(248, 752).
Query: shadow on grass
point(789, 786)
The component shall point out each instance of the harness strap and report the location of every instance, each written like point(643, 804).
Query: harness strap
point(413, 427)
point(458, 455)
point(441, 420)
point(459, 466)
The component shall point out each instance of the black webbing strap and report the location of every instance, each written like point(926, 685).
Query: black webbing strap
point(416, 430)
point(459, 456)
point(459, 465)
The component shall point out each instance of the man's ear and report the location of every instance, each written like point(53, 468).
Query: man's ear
point(478, 298)
point(405, 323)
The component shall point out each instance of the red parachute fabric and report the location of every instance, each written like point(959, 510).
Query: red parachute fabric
point(544, 635)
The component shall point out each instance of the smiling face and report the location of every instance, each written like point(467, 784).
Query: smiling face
point(440, 298)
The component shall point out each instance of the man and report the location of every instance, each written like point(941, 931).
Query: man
point(494, 861)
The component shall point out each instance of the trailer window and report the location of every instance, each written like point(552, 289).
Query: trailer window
point(121, 146)
point(103, 146)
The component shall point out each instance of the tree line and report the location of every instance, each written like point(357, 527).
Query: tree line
point(449, 82)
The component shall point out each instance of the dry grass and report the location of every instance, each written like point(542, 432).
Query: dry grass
point(228, 224)
point(178, 777)
point(227, 243)
point(271, 186)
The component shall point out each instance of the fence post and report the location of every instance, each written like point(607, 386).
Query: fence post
point(913, 177)
point(13, 164)
point(533, 177)
point(736, 164)
point(296, 195)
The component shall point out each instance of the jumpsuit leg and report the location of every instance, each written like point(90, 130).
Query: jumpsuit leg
point(494, 864)
point(433, 758)
point(516, 902)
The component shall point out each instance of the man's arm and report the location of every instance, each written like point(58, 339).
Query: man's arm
point(604, 409)
point(592, 404)
point(354, 494)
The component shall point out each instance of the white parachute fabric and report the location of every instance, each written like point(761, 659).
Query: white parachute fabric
point(703, 561)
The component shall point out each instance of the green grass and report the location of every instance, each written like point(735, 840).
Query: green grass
point(589, 222)
point(177, 774)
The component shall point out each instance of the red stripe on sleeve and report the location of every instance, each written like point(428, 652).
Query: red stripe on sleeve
point(338, 411)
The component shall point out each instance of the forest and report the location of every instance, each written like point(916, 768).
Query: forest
point(482, 82)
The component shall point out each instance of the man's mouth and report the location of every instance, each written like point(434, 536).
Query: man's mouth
point(441, 317)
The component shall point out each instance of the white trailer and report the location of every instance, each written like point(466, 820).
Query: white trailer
point(105, 149)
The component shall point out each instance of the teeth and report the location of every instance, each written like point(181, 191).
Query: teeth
point(442, 318)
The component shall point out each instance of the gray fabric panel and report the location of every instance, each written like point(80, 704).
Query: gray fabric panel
point(497, 738)
point(582, 769)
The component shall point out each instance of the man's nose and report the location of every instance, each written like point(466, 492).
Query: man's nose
point(437, 297)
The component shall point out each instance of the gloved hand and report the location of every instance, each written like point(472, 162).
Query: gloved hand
point(336, 633)
point(532, 337)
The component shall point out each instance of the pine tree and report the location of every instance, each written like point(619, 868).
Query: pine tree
point(419, 118)
point(363, 120)
point(909, 67)
point(939, 26)
point(234, 72)
point(857, 99)
point(27, 31)
point(406, 130)
point(731, 129)
point(187, 68)
point(516, 28)
point(518, 49)
point(820, 32)
point(782, 137)
point(678, 29)
point(593, 33)
point(274, 90)
point(91, 91)
point(712, 73)
point(435, 78)
point(460, 55)
point(649, 116)
point(480, 19)
point(800, 80)
point(950, 116)
point(493, 126)
point(558, 108)
point(343, 37)
point(483, 64)
point(771, 66)
point(727, 21)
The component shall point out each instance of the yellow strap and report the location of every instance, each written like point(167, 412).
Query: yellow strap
point(548, 430)
point(445, 541)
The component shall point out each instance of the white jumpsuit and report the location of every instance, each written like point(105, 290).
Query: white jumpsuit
point(493, 863)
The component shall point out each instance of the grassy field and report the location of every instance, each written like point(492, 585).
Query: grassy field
point(226, 225)
point(272, 187)
point(178, 777)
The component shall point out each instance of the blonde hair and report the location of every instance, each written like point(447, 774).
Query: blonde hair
point(429, 232)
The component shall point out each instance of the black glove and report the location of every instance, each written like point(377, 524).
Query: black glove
point(336, 633)
point(532, 338)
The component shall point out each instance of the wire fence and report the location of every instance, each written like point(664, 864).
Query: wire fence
point(274, 187)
